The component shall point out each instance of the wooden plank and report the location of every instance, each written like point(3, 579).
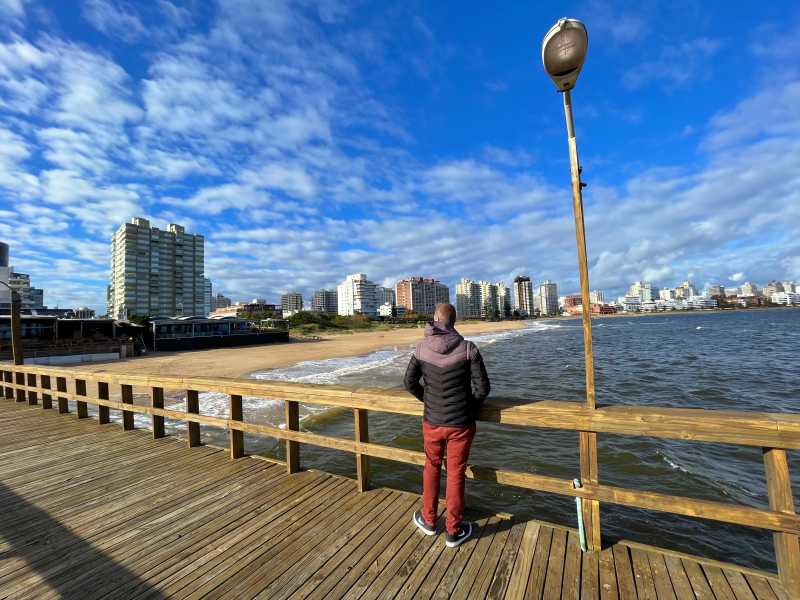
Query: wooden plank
point(590, 576)
point(538, 572)
point(718, 583)
point(522, 564)
point(362, 436)
point(81, 408)
point(468, 576)
point(571, 586)
point(661, 578)
point(760, 587)
point(643, 576)
point(102, 411)
point(292, 414)
point(126, 392)
point(679, 578)
point(739, 586)
point(502, 575)
point(483, 580)
point(787, 547)
point(624, 571)
point(157, 401)
point(697, 579)
point(193, 407)
point(236, 438)
point(555, 564)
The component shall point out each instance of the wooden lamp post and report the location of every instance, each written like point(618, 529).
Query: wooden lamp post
point(563, 52)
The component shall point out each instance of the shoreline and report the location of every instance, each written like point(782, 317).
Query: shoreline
point(241, 362)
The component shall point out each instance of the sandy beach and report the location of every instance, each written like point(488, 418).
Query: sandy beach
point(241, 362)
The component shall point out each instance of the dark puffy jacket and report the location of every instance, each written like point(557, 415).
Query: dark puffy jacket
point(455, 379)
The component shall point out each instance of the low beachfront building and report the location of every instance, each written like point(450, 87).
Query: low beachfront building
point(786, 298)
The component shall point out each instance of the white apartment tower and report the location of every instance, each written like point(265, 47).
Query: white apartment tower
point(503, 300)
point(155, 272)
point(548, 298)
point(642, 289)
point(523, 295)
point(357, 295)
point(468, 299)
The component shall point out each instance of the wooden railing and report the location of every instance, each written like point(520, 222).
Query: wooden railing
point(774, 433)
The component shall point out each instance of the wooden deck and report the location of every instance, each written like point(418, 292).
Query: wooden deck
point(90, 511)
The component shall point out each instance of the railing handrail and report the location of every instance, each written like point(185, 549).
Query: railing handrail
point(774, 432)
point(745, 428)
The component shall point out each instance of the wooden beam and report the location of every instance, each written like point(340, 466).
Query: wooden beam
point(80, 391)
point(126, 392)
point(102, 411)
point(193, 407)
point(236, 437)
point(157, 401)
point(20, 376)
point(63, 404)
point(292, 410)
point(787, 549)
point(33, 398)
point(362, 436)
point(47, 399)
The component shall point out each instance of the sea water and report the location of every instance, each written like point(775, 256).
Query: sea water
point(745, 360)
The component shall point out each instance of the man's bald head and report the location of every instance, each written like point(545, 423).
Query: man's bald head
point(445, 314)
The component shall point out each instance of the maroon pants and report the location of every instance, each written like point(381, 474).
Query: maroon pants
point(457, 441)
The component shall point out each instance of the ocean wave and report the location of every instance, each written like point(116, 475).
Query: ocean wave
point(332, 370)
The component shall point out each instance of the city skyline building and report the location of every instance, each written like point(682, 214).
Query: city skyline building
point(220, 301)
point(468, 299)
point(291, 303)
point(548, 298)
point(156, 272)
point(208, 296)
point(384, 295)
point(597, 297)
point(643, 289)
point(357, 295)
point(523, 295)
point(31, 298)
point(325, 301)
point(421, 294)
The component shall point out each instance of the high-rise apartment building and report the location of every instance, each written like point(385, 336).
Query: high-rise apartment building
point(597, 297)
point(220, 301)
point(155, 272)
point(291, 302)
point(789, 287)
point(468, 299)
point(773, 287)
point(384, 295)
point(643, 289)
point(356, 296)
point(31, 298)
point(488, 300)
point(523, 295)
point(208, 296)
point(686, 290)
point(503, 300)
point(716, 291)
point(749, 290)
point(666, 294)
point(421, 294)
point(548, 298)
point(325, 301)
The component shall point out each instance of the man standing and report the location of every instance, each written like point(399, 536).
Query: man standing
point(455, 386)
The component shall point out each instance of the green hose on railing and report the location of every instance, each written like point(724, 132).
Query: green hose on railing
point(576, 483)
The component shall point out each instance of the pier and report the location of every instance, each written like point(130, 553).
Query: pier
point(95, 510)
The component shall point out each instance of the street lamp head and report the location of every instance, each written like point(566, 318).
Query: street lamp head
point(563, 52)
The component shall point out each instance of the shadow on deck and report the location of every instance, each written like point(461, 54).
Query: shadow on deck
point(89, 511)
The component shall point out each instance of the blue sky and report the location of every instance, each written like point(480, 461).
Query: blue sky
point(307, 140)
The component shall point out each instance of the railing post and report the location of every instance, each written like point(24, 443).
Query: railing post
point(193, 407)
point(587, 449)
point(47, 399)
point(20, 377)
point(102, 411)
point(33, 397)
point(8, 377)
point(362, 436)
point(157, 401)
point(292, 448)
point(787, 549)
point(235, 436)
point(80, 390)
point(61, 386)
point(127, 398)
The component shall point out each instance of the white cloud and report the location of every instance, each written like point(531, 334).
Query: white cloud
point(678, 65)
point(736, 276)
point(114, 18)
